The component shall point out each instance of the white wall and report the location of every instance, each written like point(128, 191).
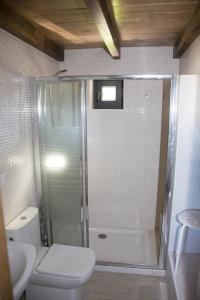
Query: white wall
point(123, 146)
point(123, 159)
point(138, 60)
point(20, 58)
point(18, 61)
point(190, 61)
point(187, 169)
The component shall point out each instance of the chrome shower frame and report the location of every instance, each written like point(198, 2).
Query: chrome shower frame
point(171, 156)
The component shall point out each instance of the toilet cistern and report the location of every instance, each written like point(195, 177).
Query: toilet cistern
point(60, 270)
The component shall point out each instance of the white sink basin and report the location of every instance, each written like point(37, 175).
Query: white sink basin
point(21, 258)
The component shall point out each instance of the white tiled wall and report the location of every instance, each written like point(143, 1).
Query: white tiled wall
point(123, 146)
point(18, 59)
point(16, 156)
point(123, 158)
point(137, 60)
point(187, 169)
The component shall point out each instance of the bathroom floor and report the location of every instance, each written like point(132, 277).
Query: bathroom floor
point(187, 277)
point(124, 246)
point(117, 286)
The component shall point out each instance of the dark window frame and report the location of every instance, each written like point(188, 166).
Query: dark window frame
point(97, 87)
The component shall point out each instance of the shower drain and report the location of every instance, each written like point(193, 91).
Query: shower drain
point(102, 236)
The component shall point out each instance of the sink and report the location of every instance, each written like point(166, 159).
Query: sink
point(21, 259)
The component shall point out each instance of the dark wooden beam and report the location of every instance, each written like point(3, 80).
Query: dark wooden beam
point(189, 34)
point(100, 12)
point(28, 32)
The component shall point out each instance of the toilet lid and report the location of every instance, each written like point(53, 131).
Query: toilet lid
point(61, 260)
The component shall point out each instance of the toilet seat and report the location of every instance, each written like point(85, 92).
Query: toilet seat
point(46, 273)
point(59, 271)
point(69, 261)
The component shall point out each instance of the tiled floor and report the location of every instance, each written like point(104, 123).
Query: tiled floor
point(116, 286)
point(187, 278)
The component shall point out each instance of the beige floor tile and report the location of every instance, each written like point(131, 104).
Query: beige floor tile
point(116, 286)
point(188, 277)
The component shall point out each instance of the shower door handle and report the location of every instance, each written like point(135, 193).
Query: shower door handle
point(87, 213)
point(168, 188)
point(82, 215)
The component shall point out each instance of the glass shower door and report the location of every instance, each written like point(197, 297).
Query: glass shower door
point(60, 160)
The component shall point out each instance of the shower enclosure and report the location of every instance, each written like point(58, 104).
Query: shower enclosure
point(106, 184)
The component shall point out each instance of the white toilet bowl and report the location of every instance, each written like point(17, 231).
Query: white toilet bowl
point(59, 270)
point(59, 273)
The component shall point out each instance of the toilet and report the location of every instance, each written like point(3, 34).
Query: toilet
point(60, 270)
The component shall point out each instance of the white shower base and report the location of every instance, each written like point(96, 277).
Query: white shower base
point(136, 247)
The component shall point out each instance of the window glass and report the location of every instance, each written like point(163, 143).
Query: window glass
point(108, 93)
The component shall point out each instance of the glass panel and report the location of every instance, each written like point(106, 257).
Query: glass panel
point(108, 93)
point(60, 152)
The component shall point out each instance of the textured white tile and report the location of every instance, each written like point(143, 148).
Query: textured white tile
point(123, 146)
point(16, 151)
point(16, 109)
point(123, 158)
point(134, 60)
point(19, 57)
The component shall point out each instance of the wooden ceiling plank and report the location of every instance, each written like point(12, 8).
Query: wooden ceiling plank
point(102, 18)
point(135, 22)
point(45, 23)
point(150, 2)
point(172, 8)
point(188, 35)
point(28, 32)
point(47, 6)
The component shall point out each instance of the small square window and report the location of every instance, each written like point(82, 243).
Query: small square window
point(108, 94)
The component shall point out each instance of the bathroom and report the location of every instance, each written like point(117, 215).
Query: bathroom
point(111, 177)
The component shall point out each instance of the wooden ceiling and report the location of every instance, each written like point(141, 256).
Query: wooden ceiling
point(110, 24)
